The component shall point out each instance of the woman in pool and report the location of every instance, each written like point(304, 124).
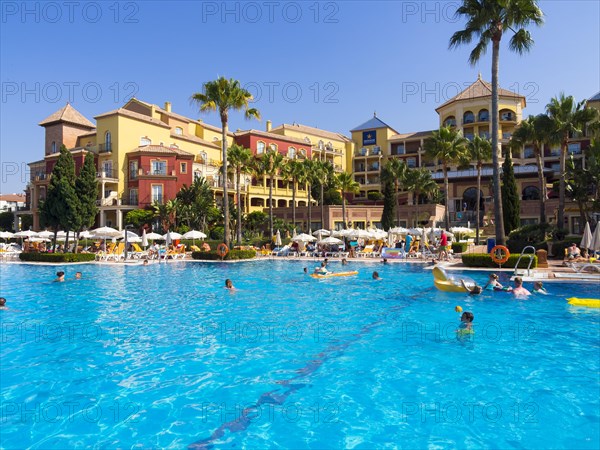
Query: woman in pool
point(538, 288)
point(229, 284)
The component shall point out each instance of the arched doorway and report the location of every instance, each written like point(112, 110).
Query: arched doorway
point(470, 199)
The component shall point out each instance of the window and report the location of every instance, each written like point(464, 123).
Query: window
point(469, 200)
point(555, 151)
point(484, 134)
point(107, 168)
point(411, 162)
point(321, 144)
point(468, 117)
point(528, 152)
point(531, 193)
point(484, 115)
point(159, 167)
point(183, 167)
point(291, 152)
point(197, 174)
point(107, 141)
point(450, 121)
point(178, 131)
point(307, 139)
point(376, 150)
point(260, 147)
point(157, 193)
point(506, 115)
point(399, 150)
point(469, 136)
point(575, 148)
point(133, 169)
point(133, 196)
point(273, 147)
point(53, 147)
point(145, 141)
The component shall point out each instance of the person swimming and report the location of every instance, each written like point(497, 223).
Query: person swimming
point(229, 284)
point(538, 288)
point(322, 270)
point(3, 303)
point(493, 283)
point(519, 290)
point(60, 276)
point(376, 275)
point(466, 323)
point(474, 290)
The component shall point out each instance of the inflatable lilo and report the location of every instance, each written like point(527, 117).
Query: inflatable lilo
point(587, 302)
point(450, 283)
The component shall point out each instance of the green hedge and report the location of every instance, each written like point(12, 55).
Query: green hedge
point(232, 255)
point(57, 257)
point(485, 260)
point(459, 247)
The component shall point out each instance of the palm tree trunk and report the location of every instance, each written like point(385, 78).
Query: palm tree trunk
point(478, 203)
point(66, 242)
point(294, 201)
point(239, 209)
point(225, 195)
point(397, 204)
point(76, 242)
point(309, 208)
point(54, 240)
point(446, 197)
point(562, 185)
point(416, 208)
point(542, 181)
point(322, 209)
point(271, 205)
point(344, 209)
point(496, 150)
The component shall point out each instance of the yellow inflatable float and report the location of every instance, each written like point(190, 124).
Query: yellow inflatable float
point(587, 302)
point(331, 275)
point(450, 283)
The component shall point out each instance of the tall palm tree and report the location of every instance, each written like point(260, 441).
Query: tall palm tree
point(323, 174)
point(568, 119)
point(479, 150)
point(346, 184)
point(239, 160)
point(419, 182)
point(223, 95)
point(307, 177)
point(396, 172)
point(449, 147)
point(293, 170)
point(268, 165)
point(487, 21)
point(537, 131)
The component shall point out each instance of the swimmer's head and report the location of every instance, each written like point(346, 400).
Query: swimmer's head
point(538, 285)
point(476, 290)
point(493, 276)
point(467, 317)
point(2, 301)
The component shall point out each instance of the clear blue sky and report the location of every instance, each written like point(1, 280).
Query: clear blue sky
point(325, 64)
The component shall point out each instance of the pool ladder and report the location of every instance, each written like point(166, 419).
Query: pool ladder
point(530, 255)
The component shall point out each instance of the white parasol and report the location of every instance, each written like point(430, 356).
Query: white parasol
point(26, 234)
point(331, 240)
point(595, 245)
point(303, 237)
point(586, 240)
point(171, 235)
point(278, 239)
point(144, 239)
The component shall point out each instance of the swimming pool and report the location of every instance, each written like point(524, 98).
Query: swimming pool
point(164, 356)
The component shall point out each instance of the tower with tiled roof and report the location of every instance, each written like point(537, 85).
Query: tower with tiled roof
point(63, 127)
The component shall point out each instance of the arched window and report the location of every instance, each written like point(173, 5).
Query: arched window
point(450, 121)
point(107, 141)
point(273, 147)
point(483, 116)
point(178, 131)
point(260, 147)
point(307, 139)
point(53, 147)
point(302, 153)
point(291, 152)
point(321, 144)
point(470, 199)
point(507, 114)
point(468, 117)
point(531, 193)
point(145, 140)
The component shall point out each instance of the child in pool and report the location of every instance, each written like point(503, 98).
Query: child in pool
point(493, 283)
point(538, 288)
point(466, 323)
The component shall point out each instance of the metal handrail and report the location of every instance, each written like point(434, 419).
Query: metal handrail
point(531, 255)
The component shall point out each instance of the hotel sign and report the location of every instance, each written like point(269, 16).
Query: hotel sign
point(369, 137)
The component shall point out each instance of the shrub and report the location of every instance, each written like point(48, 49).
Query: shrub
point(459, 247)
point(232, 255)
point(374, 195)
point(485, 260)
point(57, 257)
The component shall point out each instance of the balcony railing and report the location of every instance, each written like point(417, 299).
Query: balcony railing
point(109, 173)
point(40, 177)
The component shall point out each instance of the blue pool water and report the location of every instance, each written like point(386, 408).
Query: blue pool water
point(164, 356)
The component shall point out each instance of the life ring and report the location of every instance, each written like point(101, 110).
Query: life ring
point(495, 257)
point(222, 250)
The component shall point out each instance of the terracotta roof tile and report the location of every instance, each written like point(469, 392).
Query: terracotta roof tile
point(133, 115)
point(161, 149)
point(480, 89)
point(12, 197)
point(67, 114)
point(415, 135)
point(195, 139)
point(312, 130)
point(273, 136)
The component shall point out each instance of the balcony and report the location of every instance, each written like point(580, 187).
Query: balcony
point(40, 177)
point(154, 172)
point(107, 174)
point(105, 148)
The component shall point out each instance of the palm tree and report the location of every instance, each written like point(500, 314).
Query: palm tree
point(307, 177)
point(268, 165)
point(536, 131)
point(293, 169)
point(323, 174)
point(449, 147)
point(346, 184)
point(568, 119)
point(239, 159)
point(479, 150)
point(396, 172)
point(223, 95)
point(488, 20)
point(166, 213)
point(419, 182)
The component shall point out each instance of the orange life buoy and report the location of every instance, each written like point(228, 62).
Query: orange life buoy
point(500, 249)
point(222, 250)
